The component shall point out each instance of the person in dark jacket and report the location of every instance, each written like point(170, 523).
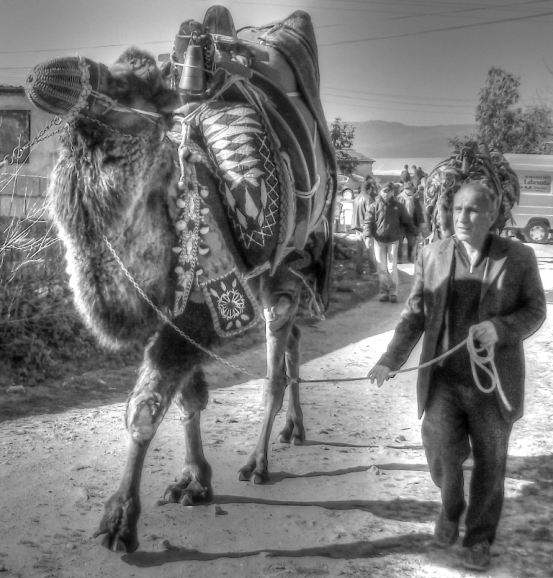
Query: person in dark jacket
point(409, 199)
point(479, 282)
point(384, 223)
point(405, 175)
point(361, 204)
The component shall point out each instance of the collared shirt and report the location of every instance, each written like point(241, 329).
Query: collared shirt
point(461, 313)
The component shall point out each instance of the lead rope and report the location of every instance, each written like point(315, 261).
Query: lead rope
point(474, 352)
point(475, 360)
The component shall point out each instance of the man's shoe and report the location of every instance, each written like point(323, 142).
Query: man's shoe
point(384, 298)
point(446, 532)
point(478, 557)
point(393, 298)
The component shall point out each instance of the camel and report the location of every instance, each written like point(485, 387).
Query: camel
point(171, 242)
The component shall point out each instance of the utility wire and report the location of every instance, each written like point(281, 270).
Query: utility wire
point(448, 106)
point(445, 29)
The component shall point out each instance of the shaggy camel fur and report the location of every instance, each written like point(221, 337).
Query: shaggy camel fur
point(112, 195)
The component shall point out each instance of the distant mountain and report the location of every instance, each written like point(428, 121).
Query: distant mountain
point(377, 138)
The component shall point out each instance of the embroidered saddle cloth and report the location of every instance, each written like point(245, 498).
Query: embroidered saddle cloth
point(250, 217)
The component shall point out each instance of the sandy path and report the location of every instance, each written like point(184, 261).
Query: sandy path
point(355, 500)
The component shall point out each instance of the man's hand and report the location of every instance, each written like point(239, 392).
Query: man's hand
point(367, 241)
point(380, 373)
point(485, 333)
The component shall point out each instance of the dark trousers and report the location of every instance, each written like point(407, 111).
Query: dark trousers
point(411, 243)
point(459, 417)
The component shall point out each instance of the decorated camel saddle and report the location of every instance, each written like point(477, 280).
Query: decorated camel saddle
point(472, 162)
point(252, 115)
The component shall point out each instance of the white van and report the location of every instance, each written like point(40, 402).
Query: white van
point(533, 216)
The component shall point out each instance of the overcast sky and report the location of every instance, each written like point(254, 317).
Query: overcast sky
point(418, 62)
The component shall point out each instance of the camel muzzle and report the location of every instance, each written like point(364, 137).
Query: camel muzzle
point(64, 86)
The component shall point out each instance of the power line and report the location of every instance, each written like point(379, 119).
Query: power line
point(467, 101)
point(83, 47)
point(433, 105)
point(518, 6)
point(395, 109)
point(352, 41)
point(445, 29)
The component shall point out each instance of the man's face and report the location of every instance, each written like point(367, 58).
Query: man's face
point(387, 193)
point(473, 216)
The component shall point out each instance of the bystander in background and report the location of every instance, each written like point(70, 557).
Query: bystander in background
point(361, 204)
point(405, 175)
point(408, 197)
point(384, 222)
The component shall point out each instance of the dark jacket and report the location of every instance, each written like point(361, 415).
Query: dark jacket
point(361, 205)
point(410, 200)
point(405, 176)
point(512, 298)
point(385, 222)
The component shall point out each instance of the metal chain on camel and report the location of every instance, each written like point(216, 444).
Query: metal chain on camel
point(474, 352)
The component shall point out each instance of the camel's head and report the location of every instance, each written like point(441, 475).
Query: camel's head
point(127, 96)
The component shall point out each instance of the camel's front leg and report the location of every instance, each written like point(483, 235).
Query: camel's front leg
point(279, 320)
point(258, 463)
point(194, 486)
point(145, 411)
point(293, 430)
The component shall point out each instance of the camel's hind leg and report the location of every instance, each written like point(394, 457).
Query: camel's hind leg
point(293, 430)
point(280, 295)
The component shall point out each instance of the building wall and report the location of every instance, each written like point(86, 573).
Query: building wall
point(23, 186)
point(364, 168)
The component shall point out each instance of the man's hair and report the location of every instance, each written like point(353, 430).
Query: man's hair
point(389, 186)
point(482, 189)
point(405, 166)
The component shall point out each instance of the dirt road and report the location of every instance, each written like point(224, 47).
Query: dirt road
point(355, 500)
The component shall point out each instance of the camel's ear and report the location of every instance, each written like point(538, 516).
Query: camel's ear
point(142, 64)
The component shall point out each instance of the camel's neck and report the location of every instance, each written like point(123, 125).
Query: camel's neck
point(104, 176)
point(109, 186)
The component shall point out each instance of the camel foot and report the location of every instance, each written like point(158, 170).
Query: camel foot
point(118, 523)
point(191, 490)
point(292, 433)
point(258, 471)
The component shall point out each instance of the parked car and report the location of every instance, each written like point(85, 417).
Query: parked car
point(350, 183)
point(533, 216)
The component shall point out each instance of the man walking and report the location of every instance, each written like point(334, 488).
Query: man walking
point(361, 204)
point(384, 224)
point(408, 198)
point(474, 281)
